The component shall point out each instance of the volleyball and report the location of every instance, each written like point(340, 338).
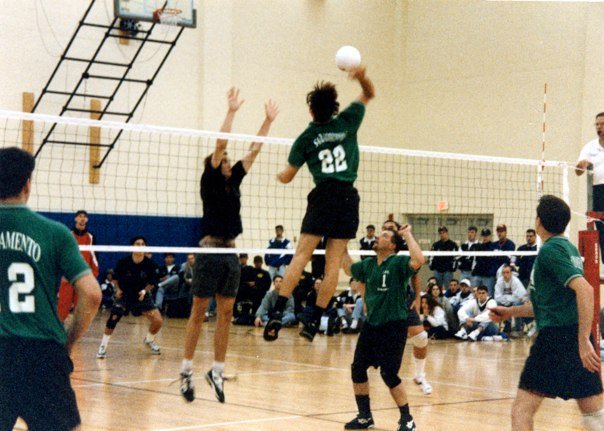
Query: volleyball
point(348, 57)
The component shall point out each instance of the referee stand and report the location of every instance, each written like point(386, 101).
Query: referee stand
point(589, 248)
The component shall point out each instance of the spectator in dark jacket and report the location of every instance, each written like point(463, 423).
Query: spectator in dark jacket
point(278, 262)
point(485, 267)
point(443, 265)
point(525, 263)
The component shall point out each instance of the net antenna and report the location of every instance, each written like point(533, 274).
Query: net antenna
point(541, 166)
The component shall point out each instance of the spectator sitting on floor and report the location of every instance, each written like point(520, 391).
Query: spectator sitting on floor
point(437, 294)
point(434, 319)
point(465, 295)
point(169, 280)
point(509, 291)
point(474, 317)
point(268, 305)
point(349, 306)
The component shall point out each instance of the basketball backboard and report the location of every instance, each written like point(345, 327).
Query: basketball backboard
point(177, 12)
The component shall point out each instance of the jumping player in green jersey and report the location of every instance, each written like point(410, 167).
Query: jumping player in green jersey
point(34, 348)
point(330, 149)
point(384, 282)
point(562, 362)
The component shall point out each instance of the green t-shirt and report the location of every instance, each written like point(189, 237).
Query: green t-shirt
point(34, 253)
point(385, 287)
point(331, 149)
point(554, 303)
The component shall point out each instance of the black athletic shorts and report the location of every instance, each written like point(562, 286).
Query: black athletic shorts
point(381, 346)
point(124, 307)
point(216, 273)
point(34, 385)
point(332, 210)
point(553, 368)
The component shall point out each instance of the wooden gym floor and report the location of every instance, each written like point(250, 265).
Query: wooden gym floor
point(292, 385)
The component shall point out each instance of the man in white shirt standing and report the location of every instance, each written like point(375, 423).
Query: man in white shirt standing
point(592, 156)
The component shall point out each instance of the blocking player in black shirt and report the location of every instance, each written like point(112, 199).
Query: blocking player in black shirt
point(135, 278)
point(218, 274)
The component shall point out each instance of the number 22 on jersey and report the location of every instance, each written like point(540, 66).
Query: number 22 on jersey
point(333, 161)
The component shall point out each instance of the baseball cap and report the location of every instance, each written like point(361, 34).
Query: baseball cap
point(466, 282)
point(443, 229)
point(501, 228)
point(485, 232)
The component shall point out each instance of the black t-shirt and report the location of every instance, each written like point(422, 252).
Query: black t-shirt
point(134, 277)
point(221, 201)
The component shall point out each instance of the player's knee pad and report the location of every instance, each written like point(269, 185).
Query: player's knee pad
point(390, 377)
point(359, 373)
point(420, 340)
point(594, 421)
point(114, 317)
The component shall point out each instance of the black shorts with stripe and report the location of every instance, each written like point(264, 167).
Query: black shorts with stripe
point(554, 369)
point(332, 210)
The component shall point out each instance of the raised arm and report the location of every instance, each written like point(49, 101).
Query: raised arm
point(417, 257)
point(368, 90)
point(89, 299)
point(221, 144)
point(271, 110)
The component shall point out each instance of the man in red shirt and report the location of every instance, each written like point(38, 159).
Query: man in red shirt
point(67, 296)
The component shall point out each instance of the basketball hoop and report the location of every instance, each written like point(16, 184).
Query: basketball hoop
point(168, 16)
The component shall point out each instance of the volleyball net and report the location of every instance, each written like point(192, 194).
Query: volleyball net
point(144, 180)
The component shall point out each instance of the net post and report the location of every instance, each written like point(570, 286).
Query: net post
point(589, 248)
point(28, 125)
point(94, 174)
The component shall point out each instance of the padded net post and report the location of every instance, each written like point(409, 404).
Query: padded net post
point(589, 247)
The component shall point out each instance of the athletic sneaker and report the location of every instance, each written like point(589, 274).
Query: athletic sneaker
point(426, 387)
point(360, 423)
point(215, 381)
point(406, 424)
point(488, 338)
point(462, 334)
point(102, 353)
point(187, 390)
point(274, 325)
point(473, 336)
point(155, 350)
point(309, 330)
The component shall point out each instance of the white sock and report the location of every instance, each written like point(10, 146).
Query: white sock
point(186, 366)
point(217, 368)
point(594, 421)
point(420, 364)
point(150, 337)
point(105, 340)
point(354, 324)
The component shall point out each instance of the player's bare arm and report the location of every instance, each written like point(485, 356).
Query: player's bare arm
point(287, 174)
point(234, 104)
point(415, 252)
point(368, 90)
point(271, 110)
point(585, 306)
point(89, 299)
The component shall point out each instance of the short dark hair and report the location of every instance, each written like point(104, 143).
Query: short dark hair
point(16, 167)
point(323, 101)
point(554, 214)
point(257, 258)
point(136, 238)
point(531, 231)
point(279, 226)
point(80, 212)
point(277, 276)
point(397, 224)
point(167, 254)
point(455, 280)
point(242, 255)
point(351, 280)
point(370, 226)
point(483, 288)
point(474, 228)
point(601, 114)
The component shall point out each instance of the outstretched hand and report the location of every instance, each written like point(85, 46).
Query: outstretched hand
point(357, 73)
point(233, 99)
point(271, 109)
point(499, 314)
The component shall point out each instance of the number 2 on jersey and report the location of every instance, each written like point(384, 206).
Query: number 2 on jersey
point(27, 305)
point(328, 157)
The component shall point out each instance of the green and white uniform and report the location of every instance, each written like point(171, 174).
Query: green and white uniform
point(385, 287)
point(34, 253)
